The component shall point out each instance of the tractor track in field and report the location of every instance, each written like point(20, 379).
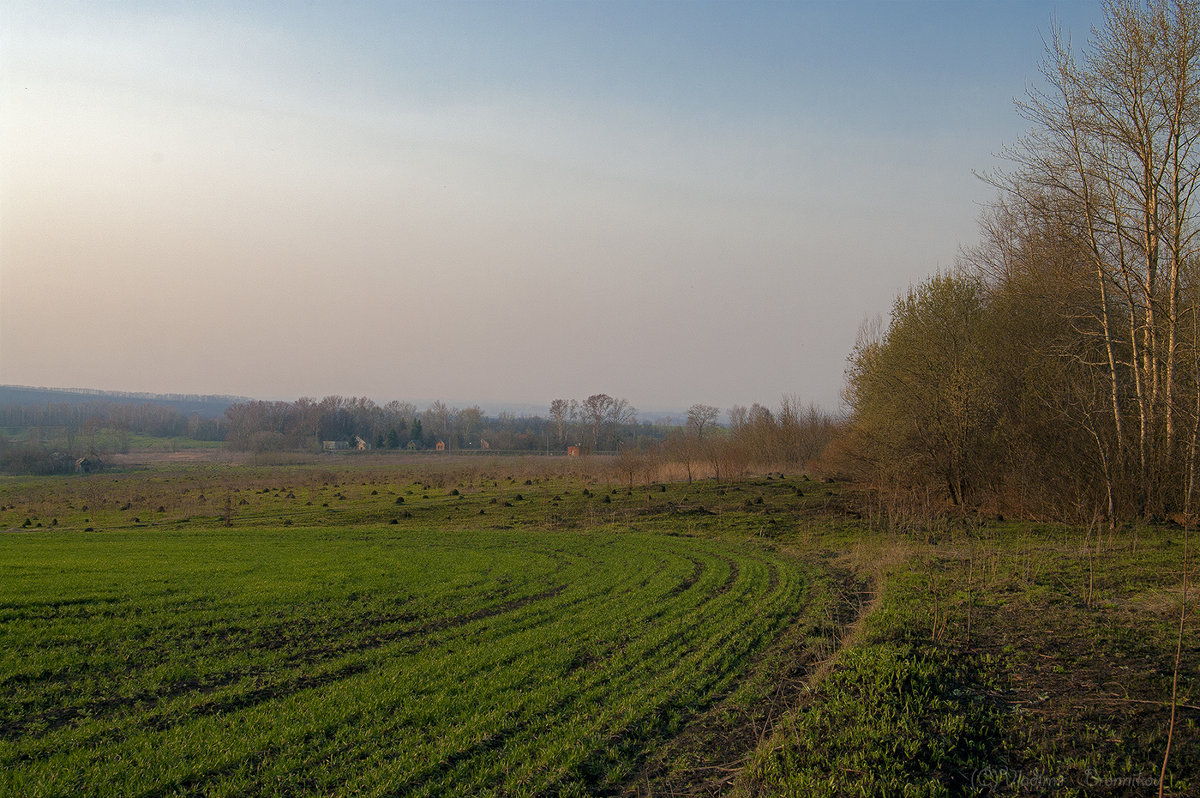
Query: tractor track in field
point(720, 748)
point(690, 579)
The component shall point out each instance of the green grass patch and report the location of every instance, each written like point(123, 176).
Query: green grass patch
point(896, 715)
point(366, 659)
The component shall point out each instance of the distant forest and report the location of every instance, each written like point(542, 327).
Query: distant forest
point(44, 431)
point(206, 406)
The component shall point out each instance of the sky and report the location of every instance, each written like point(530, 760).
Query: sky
point(490, 202)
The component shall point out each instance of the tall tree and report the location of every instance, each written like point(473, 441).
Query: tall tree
point(438, 417)
point(700, 417)
point(922, 397)
point(469, 419)
point(562, 411)
point(1113, 151)
point(602, 413)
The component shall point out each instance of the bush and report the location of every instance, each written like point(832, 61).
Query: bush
point(34, 460)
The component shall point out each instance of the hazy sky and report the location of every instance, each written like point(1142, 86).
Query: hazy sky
point(670, 202)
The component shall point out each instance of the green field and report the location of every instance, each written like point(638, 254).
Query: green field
point(358, 655)
point(227, 662)
point(524, 628)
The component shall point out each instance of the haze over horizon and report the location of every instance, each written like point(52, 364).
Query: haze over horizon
point(489, 202)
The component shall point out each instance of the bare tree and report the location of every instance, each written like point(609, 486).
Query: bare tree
point(682, 447)
point(438, 419)
point(701, 416)
point(400, 412)
point(601, 413)
point(469, 418)
point(562, 411)
point(1114, 145)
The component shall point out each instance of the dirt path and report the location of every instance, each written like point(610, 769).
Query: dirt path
point(706, 757)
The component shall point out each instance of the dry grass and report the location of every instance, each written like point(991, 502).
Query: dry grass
point(1164, 602)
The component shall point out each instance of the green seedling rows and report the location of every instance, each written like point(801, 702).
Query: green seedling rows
point(366, 659)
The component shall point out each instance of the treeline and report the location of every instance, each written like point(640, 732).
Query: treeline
point(307, 424)
point(790, 436)
point(48, 438)
point(1056, 372)
point(206, 406)
point(75, 423)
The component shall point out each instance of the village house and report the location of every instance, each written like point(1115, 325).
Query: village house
point(88, 465)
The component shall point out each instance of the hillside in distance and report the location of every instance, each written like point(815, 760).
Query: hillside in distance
point(208, 406)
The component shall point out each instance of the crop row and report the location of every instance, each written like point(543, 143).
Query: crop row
point(372, 660)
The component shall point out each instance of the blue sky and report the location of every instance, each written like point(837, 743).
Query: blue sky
point(489, 202)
